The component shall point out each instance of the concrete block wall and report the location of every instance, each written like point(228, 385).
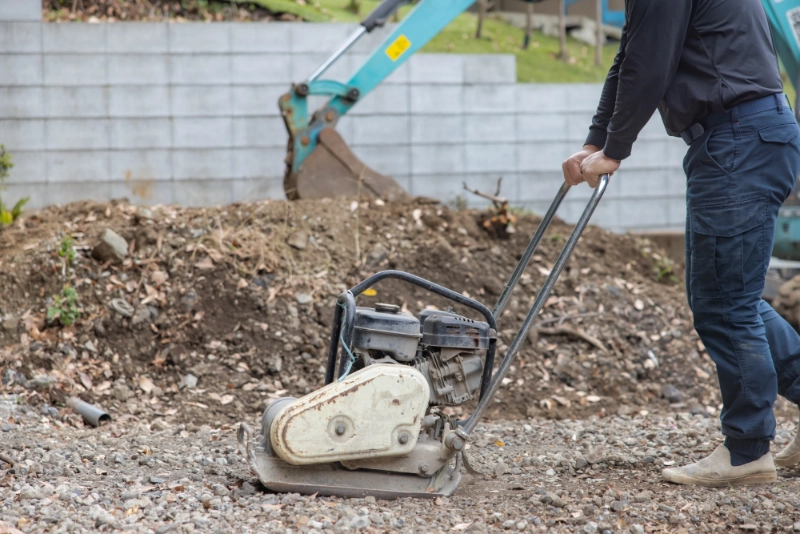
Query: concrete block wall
point(187, 113)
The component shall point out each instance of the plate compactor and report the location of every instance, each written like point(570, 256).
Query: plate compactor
point(378, 426)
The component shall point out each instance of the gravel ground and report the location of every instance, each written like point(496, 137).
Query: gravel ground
point(588, 476)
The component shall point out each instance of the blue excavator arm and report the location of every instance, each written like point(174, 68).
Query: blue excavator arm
point(318, 163)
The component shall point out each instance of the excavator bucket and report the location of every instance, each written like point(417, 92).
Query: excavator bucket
point(332, 170)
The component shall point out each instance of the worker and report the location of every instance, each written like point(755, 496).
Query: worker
point(710, 68)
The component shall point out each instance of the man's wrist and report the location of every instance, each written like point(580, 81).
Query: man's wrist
point(591, 147)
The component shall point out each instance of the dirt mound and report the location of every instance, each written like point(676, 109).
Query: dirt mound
point(158, 10)
point(241, 298)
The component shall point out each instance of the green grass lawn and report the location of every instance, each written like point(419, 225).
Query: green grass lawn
point(540, 63)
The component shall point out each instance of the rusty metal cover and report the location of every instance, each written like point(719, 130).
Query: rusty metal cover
point(374, 412)
point(332, 170)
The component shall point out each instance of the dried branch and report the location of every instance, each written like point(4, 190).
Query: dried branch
point(574, 332)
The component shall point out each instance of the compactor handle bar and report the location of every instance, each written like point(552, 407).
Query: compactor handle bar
point(343, 322)
point(544, 293)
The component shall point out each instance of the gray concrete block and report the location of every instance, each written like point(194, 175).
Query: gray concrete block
point(262, 68)
point(436, 68)
point(138, 69)
point(650, 155)
point(261, 37)
point(75, 102)
point(636, 183)
point(201, 101)
point(550, 127)
point(253, 190)
point(488, 157)
point(384, 100)
point(388, 160)
point(257, 100)
point(639, 214)
point(542, 98)
point(498, 98)
point(138, 38)
point(200, 70)
point(251, 132)
point(491, 128)
point(436, 99)
point(438, 159)
point(654, 129)
point(74, 38)
point(21, 102)
point(676, 212)
point(202, 132)
point(36, 192)
point(538, 186)
point(22, 134)
point(438, 129)
point(543, 156)
point(204, 192)
point(141, 165)
point(259, 163)
point(381, 130)
point(20, 10)
point(77, 134)
point(314, 37)
point(676, 181)
point(60, 194)
point(490, 68)
point(84, 69)
point(201, 164)
point(144, 192)
point(448, 186)
point(140, 133)
point(583, 96)
point(306, 63)
point(78, 166)
point(18, 37)
point(578, 126)
point(29, 167)
point(21, 70)
point(139, 101)
point(199, 37)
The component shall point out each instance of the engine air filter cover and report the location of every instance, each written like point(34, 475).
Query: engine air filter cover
point(455, 331)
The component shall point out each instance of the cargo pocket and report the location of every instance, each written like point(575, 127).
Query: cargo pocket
point(780, 134)
point(728, 249)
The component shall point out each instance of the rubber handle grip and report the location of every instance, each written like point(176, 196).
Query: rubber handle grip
point(381, 13)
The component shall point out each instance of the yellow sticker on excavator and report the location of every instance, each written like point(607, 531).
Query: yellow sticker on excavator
point(396, 49)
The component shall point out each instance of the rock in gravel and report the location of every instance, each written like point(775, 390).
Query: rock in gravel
point(141, 315)
point(617, 506)
point(101, 517)
point(590, 527)
point(644, 496)
point(303, 298)
point(122, 307)
point(671, 393)
point(376, 256)
point(156, 480)
point(188, 381)
point(298, 240)
point(796, 527)
point(111, 248)
point(500, 469)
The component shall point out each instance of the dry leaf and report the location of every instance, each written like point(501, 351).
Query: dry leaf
point(562, 401)
point(103, 386)
point(242, 284)
point(85, 380)
point(205, 264)
point(593, 398)
point(226, 399)
point(638, 304)
point(462, 526)
point(701, 374)
point(249, 386)
point(145, 384)
point(215, 255)
point(158, 277)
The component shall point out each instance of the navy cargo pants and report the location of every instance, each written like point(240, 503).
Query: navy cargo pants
point(739, 172)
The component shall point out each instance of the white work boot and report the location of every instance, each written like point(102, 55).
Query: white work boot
point(790, 455)
point(716, 471)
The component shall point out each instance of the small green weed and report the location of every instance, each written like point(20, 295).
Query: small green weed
point(664, 270)
point(65, 308)
point(8, 216)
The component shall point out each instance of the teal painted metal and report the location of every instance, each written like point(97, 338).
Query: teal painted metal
point(421, 25)
point(784, 19)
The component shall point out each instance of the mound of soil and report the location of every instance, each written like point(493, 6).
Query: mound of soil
point(158, 10)
point(214, 312)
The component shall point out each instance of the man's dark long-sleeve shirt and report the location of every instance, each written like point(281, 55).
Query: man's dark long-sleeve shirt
point(686, 58)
